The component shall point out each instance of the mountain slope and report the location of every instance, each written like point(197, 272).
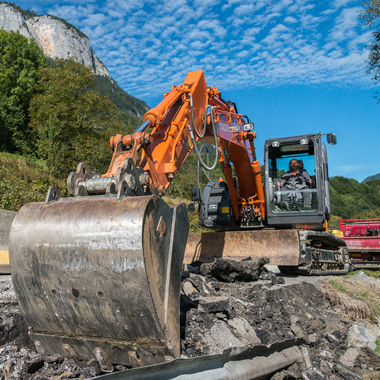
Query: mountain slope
point(57, 38)
point(123, 101)
point(372, 177)
point(60, 40)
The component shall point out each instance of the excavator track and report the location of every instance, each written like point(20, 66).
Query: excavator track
point(99, 277)
point(294, 252)
point(321, 254)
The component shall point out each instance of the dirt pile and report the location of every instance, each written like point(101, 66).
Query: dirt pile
point(216, 315)
point(223, 304)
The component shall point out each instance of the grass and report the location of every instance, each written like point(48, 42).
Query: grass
point(364, 295)
point(358, 296)
point(24, 180)
point(376, 306)
point(377, 350)
point(368, 272)
point(338, 285)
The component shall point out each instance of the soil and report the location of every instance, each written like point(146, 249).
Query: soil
point(223, 304)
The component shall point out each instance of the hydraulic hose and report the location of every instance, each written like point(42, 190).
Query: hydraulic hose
point(197, 152)
point(203, 147)
point(193, 121)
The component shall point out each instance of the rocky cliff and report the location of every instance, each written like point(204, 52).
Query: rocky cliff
point(60, 40)
point(57, 38)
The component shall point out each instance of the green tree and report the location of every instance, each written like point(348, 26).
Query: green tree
point(351, 199)
point(371, 18)
point(20, 63)
point(187, 176)
point(70, 121)
point(24, 180)
point(369, 214)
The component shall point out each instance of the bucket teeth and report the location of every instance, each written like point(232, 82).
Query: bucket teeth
point(99, 278)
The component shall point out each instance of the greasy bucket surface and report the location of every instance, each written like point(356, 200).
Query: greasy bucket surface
point(99, 278)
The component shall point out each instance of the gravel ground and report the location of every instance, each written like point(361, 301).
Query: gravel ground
point(223, 304)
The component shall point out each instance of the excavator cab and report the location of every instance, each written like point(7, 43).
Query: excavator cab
point(296, 181)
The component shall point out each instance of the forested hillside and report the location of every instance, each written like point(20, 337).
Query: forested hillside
point(56, 113)
point(130, 109)
point(127, 104)
point(351, 199)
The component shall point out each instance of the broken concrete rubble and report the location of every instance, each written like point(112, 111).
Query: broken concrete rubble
point(231, 271)
point(218, 312)
point(262, 312)
point(363, 334)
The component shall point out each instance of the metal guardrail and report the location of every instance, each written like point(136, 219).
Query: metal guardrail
point(234, 363)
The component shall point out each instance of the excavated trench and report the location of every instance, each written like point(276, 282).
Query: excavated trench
point(223, 304)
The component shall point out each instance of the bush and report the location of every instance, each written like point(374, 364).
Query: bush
point(24, 180)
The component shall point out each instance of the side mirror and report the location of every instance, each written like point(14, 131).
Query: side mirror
point(331, 138)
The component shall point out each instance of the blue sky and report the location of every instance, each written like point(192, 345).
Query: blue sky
point(292, 66)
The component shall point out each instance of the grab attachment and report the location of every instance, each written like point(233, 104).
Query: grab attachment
point(99, 277)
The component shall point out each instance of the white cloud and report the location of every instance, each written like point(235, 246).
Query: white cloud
point(360, 41)
point(206, 3)
point(290, 20)
point(345, 24)
point(309, 21)
point(230, 3)
point(336, 4)
point(353, 168)
point(244, 9)
point(213, 25)
point(95, 19)
point(149, 45)
point(123, 7)
point(299, 6)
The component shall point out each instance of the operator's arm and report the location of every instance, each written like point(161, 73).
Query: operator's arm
point(283, 181)
point(305, 175)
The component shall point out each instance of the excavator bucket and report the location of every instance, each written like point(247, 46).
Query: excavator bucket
point(99, 277)
point(281, 247)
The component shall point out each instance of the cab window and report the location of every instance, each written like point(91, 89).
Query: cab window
point(292, 183)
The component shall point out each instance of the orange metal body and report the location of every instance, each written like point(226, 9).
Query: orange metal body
point(166, 143)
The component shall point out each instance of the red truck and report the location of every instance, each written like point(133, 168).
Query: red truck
point(363, 241)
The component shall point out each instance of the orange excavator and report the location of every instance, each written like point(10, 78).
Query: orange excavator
point(98, 275)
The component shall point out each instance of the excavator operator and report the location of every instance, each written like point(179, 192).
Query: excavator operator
point(296, 178)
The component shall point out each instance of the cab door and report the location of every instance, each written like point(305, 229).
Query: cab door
point(325, 178)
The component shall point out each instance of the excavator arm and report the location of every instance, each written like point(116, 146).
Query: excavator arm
point(98, 275)
point(188, 113)
point(168, 143)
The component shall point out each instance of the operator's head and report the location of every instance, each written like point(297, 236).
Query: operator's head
point(294, 164)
